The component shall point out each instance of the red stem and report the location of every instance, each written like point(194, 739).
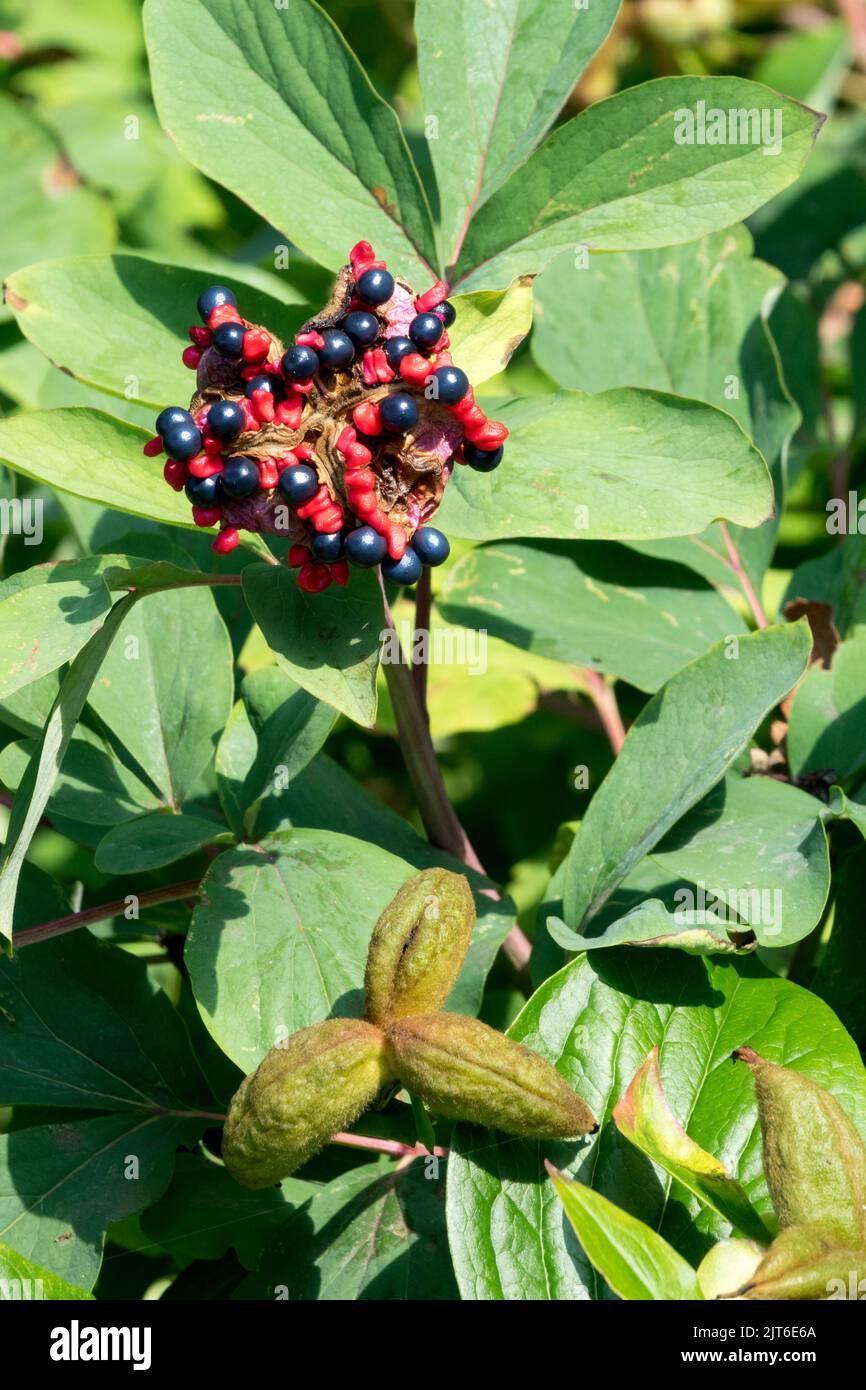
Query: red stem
point(745, 582)
point(386, 1146)
point(173, 893)
point(606, 707)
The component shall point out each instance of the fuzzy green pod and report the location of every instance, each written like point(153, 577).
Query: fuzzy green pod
point(814, 1159)
point(466, 1071)
point(301, 1094)
point(805, 1262)
point(418, 946)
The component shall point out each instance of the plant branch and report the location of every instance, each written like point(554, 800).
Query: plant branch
point(439, 817)
point(423, 602)
point(174, 892)
point(606, 707)
point(745, 582)
point(387, 1146)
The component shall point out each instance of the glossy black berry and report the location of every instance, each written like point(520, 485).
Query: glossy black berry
point(172, 417)
point(327, 547)
point(431, 547)
point(425, 330)
point(482, 460)
point(405, 571)
point(362, 328)
point(204, 492)
point(182, 442)
point(399, 412)
point(228, 338)
point(300, 363)
point(446, 312)
point(212, 298)
point(240, 478)
point(396, 349)
point(366, 547)
point(298, 483)
point(451, 385)
point(376, 286)
point(266, 381)
point(339, 350)
point(225, 420)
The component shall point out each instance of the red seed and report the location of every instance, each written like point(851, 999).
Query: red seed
point(358, 456)
point(367, 417)
point(223, 313)
point(303, 387)
point(368, 366)
point(153, 447)
point(435, 295)
point(360, 257)
point(489, 435)
point(251, 419)
point(206, 516)
point(320, 499)
point(415, 369)
point(328, 520)
point(268, 473)
point(191, 357)
point(298, 555)
point(203, 466)
point(311, 339)
point(340, 573)
point(286, 460)
point(304, 452)
point(364, 504)
point(384, 371)
point(346, 439)
point(212, 446)
point(256, 344)
point(313, 578)
point(263, 405)
point(226, 540)
point(463, 407)
point(200, 336)
point(473, 420)
point(175, 474)
point(289, 412)
point(396, 538)
point(360, 478)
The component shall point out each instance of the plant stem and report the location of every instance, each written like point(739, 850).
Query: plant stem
point(386, 1146)
point(745, 582)
point(606, 707)
point(172, 893)
point(439, 817)
point(423, 601)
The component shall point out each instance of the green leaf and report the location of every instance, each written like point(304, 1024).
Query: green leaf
point(691, 319)
point(625, 175)
point(760, 846)
point(150, 842)
point(279, 939)
point(827, 727)
point(838, 979)
point(47, 614)
point(645, 1118)
point(92, 455)
point(45, 213)
point(279, 111)
point(92, 786)
point(674, 752)
point(639, 619)
point(166, 687)
point(328, 642)
point(836, 578)
point(20, 1278)
point(495, 82)
point(489, 327)
point(377, 1232)
point(120, 322)
point(35, 788)
point(595, 1021)
point(622, 465)
point(634, 1259)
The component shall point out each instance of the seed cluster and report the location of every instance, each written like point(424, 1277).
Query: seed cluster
point(344, 442)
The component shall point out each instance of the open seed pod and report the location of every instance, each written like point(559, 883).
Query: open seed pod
point(344, 442)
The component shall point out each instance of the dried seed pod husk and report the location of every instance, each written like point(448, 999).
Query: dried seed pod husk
point(814, 1158)
point(418, 946)
point(301, 1094)
point(466, 1071)
point(805, 1262)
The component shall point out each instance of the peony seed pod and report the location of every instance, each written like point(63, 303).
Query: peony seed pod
point(805, 1262)
point(814, 1159)
point(418, 946)
point(284, 1112)
point(466, 1071)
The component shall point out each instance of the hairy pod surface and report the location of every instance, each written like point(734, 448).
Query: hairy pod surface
point(466, 1071)
point(814, 1158)
point(284, 1112)
point(804, 1262)
point(418, 946)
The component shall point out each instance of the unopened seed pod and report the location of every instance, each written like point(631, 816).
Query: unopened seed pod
point(805, 1262)
point(814, 1159)
point(466, 1071)
point(284, 1112)
point(418, 946)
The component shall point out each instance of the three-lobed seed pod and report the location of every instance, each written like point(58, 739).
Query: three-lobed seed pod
point(321, 1080)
